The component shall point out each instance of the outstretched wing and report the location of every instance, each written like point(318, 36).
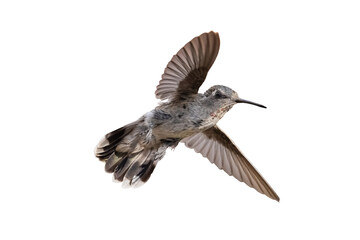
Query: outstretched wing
point(219, 149)
point(187, 70)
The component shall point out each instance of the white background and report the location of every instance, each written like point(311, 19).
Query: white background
point(72, 71)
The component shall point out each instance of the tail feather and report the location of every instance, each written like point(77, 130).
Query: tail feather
point(146, 171)
point(139, 167)
point(124, 165)
point(120, 169)
point(108, 143)
point(137, 161)
point(114, 161)
point(126, 158)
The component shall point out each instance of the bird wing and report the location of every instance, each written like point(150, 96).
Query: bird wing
point(219, 149)
point(187, 70)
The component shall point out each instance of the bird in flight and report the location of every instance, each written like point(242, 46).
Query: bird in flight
point(184, 115)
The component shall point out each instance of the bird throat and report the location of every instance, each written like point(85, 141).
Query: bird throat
point(219, 113)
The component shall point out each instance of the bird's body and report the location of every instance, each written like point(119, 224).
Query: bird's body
point(132, 152)
point(183, 118)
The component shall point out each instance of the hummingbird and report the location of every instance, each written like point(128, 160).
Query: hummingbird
point(132, 152)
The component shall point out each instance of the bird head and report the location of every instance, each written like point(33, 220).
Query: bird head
point(223, 98)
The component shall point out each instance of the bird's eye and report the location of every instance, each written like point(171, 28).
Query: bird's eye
point(218, 94)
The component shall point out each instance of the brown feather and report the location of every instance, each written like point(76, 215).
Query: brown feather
point(187, 69)
point(232, 161)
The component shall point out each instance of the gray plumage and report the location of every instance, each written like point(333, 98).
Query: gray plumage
point(132, 152)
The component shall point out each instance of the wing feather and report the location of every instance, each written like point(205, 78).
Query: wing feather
point(187, 69)
point(229, 158)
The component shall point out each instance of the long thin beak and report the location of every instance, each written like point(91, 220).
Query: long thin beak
point(239, 100)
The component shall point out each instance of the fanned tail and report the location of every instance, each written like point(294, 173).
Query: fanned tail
point(129, 161)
